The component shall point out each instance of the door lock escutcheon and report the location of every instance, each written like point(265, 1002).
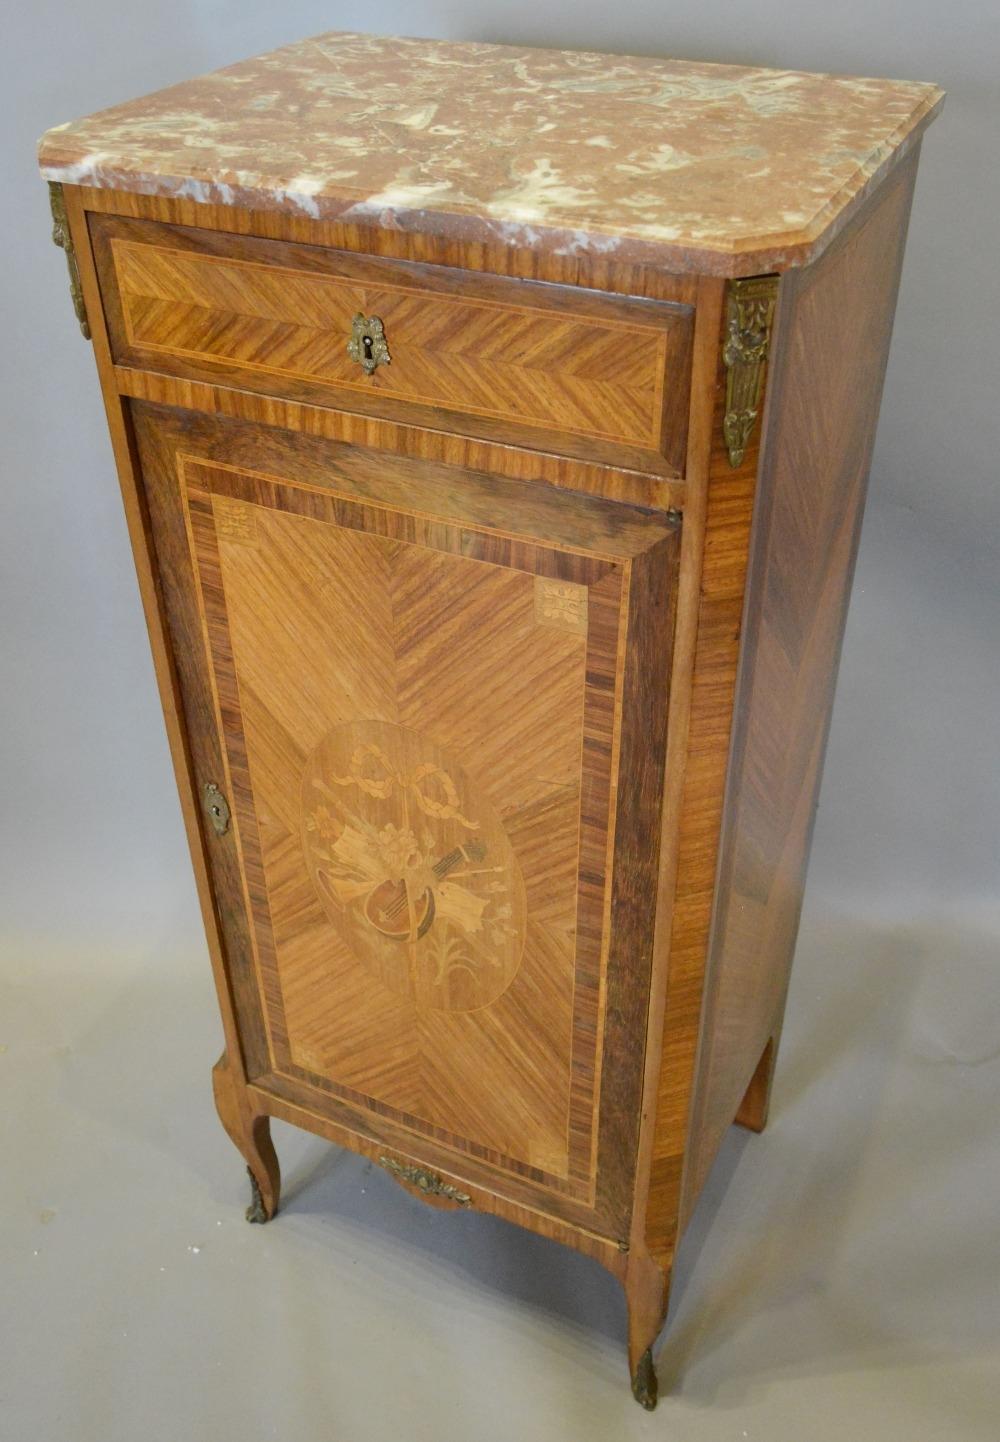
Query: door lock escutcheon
point(216, 808)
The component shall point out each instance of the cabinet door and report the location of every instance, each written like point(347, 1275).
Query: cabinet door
point(435, 702)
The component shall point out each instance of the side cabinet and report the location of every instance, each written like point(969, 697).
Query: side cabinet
point(496, 602)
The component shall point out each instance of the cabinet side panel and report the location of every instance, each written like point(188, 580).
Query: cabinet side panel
point(717, 573)
point(825, 389)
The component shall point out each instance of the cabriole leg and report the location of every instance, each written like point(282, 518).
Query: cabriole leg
point(250, 1132)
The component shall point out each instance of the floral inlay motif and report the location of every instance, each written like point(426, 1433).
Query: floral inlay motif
point(411, 862)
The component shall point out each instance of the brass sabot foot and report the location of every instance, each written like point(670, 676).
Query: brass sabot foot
point(644, 1388)
point(255, 1211)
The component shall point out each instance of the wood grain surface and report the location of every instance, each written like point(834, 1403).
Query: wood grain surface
point(635, 488)
point(825, 389)
point(395, 677)
point(743, 847)
point(580, 373)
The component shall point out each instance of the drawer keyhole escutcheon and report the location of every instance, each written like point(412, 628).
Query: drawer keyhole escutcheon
point(216, 807)
point(367, 344)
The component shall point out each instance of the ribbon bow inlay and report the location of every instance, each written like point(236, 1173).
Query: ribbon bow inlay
point(373, 772)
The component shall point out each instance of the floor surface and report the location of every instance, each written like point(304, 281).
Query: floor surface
point(839, 1280)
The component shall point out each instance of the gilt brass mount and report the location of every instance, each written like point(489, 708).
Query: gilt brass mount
point(425, 1181)
point(367, 344)
point(749, 313)
point(62, 238)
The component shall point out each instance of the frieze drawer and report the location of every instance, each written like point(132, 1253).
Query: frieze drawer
point(556, 368)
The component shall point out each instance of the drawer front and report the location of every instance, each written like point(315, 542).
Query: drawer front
point(442, 742)
point(577, 372)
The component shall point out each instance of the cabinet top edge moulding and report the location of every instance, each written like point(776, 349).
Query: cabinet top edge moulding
point(723, 170)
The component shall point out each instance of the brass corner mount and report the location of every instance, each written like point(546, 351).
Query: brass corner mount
point(749, 315)
point(62, 238)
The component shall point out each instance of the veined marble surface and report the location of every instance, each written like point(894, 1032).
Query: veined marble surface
point(717, 168)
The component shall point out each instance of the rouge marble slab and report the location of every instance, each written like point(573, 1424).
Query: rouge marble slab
point(723, 169)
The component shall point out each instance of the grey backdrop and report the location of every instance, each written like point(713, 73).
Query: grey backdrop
point(93, 870)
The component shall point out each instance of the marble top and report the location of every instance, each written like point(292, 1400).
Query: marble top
point(723, 169)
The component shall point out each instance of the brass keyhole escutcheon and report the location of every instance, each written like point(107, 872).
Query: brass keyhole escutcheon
point(367, 344)
point(216, 807)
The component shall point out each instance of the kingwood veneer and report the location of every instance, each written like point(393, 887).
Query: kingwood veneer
point(496, 615)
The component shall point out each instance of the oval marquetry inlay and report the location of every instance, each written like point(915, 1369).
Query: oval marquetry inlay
point(412, 864)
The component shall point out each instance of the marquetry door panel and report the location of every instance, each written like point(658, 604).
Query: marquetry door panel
point(429, 706)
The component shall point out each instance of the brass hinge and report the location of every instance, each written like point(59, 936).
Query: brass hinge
point(425, 1181)
point(62, 238)
point(749, 314)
